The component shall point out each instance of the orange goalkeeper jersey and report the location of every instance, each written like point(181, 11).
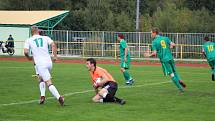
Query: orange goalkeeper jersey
point(100, 72)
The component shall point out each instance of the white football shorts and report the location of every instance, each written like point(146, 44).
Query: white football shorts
point(44, 71)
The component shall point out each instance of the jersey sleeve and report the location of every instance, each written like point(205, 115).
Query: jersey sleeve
point(49, 40)
point(26, 45)
point(154, 46)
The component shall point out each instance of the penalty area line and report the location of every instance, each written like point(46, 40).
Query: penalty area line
point(81, 92)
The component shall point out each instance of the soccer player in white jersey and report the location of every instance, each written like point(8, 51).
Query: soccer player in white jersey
point(41, 57)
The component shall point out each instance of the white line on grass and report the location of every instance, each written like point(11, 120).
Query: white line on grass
point(15, 67)
point(81, 92)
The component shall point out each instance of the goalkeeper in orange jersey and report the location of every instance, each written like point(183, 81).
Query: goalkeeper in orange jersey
point(103, 80)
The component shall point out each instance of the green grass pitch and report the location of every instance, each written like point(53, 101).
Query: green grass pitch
point(152, 98)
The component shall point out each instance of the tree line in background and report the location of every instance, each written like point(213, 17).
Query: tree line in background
point(120, 15)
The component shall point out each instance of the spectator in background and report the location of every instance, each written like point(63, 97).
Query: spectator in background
point(10, 42)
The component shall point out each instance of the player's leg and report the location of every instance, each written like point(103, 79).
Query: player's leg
point(212, 64)
point(102, 94)
point(112, 88)
point(172, 64)
point(125, 70)
point(46, 76)
point(119, 101)
point(55, 92)
point(165, 71)
point(213, 70)
point(100, 98)
point(125, 75)
point(131, 80)
point(42, 86)
point(176, 81)
point(122, 69)
point(97, 98)
point(167, 67)
point(106, 94)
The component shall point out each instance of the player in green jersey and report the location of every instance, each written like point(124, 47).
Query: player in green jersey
point(161, 46)
point(125, 59)
point(209, 52)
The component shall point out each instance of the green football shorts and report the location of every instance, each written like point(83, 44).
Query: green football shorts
point(212, 65)
point(168, 67)
point(125, 65)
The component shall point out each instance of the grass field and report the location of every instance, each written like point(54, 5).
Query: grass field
point(152, 98)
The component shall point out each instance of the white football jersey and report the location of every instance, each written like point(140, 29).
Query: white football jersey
point(39, 47)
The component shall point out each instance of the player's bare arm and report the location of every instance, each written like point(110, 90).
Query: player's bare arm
point(126, 53)
point(27, 54)
point(148, 54)
point(203, 53)
point(54, 51)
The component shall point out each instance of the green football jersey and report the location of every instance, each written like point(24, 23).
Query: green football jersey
point(122, 47)
point(161, 45)
point(209, 49)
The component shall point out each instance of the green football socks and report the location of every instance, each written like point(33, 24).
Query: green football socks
point(126, 75)
point(177, 76)
point(176, 82)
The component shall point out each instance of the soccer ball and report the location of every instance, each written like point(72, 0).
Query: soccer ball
point(98, 80)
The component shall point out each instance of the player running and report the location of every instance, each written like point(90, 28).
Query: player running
point(208, 50)
point(39, 47)
point(42, 85)
point(161, 46)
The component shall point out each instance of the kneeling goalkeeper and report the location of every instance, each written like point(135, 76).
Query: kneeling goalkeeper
point(103, 80)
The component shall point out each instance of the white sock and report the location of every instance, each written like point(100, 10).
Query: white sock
point(42, 86)
point(101, 100)
point(54, 91)
point(104, 94)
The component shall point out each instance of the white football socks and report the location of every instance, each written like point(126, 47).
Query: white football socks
point(54, 91)
point(42, 86)
point(101, 100)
